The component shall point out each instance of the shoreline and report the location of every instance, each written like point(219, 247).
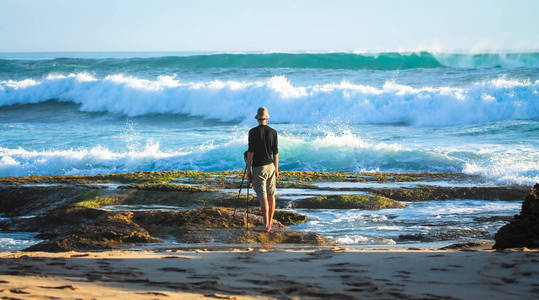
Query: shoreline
point(249, 273)
point(101, 212)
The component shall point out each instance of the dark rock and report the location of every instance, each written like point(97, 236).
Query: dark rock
point(56, 222)
point(347, 202)
point(426, 193)
point(92, 229)
point(202, 218)
point(289, 217)
point(110, 230)
point(523, 230)
point(285, 217)
point(133, 177)
point(218, 224)
point(166, 187)
point(443, 235)
point(493, 219)
point(278, 237)
point(469, 245)
point(34, 200)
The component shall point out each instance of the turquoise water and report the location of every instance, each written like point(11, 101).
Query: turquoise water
point(90, 113)
point(87, 113)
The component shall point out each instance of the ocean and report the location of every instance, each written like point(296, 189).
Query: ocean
point(92, 113)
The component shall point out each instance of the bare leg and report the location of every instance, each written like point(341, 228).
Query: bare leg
point(271, 211)
point(264, 210)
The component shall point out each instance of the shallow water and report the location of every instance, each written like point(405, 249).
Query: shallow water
point(14, 241)
point(425, 223)
point(362, 227)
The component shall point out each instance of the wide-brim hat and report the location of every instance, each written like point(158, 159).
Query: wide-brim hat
point(262, 114)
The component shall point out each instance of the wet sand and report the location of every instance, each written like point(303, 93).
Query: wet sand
point(258, 273)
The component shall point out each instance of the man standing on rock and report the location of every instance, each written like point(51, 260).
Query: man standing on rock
point(263, 156)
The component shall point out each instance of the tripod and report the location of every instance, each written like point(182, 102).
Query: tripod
point(247, 200)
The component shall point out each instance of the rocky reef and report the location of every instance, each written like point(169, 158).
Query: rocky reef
point(83, 212)
point(348, 202)
point(425, 193)
point(523, 229)
point(69, 216)
point(444, 235)
point(106, 231)
point(98, 229)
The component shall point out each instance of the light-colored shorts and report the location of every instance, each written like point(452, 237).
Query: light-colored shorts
point(264, 180)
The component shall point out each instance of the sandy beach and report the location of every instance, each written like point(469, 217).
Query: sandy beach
point(258, 273)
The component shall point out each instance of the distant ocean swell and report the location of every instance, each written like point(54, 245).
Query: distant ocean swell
point(493, 100)
point(376, 61)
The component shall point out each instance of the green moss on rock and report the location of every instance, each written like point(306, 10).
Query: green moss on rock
point(289, 217)
point(232, 178)
point(234, 201)
point(164, 187)
point(426, 193)
point(348, 202)
point(97, 202)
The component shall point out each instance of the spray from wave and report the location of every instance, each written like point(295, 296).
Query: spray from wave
point(493, 100)
point(329, 151)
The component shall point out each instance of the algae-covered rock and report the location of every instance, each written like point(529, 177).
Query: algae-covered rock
point(295, 185)
point(426, 193)
point(484, 245)
point(279, 237)
point(97, 202)
point(110, 230)
point(218, 224)
point(233, 201)
point(162, 176)
point(444, 235)
point(79, 228)
point(201, 218)
point(174, 197)
point(231, 179)
point(166, 187)
point(35, 200)
point(285, 217)
point(347, 202)
point(289, 217)
point(523, 230)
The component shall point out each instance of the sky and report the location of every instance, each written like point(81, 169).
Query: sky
point(242, 25)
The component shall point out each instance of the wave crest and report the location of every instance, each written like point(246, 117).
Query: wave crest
point(494, 100)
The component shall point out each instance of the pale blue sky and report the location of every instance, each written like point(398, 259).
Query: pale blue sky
point(234, 25)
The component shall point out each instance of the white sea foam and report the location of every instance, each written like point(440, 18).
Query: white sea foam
point(389, 227)
point(98, 159)
point(443, 209)
point(327, 151)
point(352, 239)
point(518, 166)
point(16, 241)
point(493, 100)
point(355, 239)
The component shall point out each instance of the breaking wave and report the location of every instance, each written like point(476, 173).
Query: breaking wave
point(493, 100)
point(329, 152)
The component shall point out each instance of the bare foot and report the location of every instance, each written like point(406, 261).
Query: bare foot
point(268, 229)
